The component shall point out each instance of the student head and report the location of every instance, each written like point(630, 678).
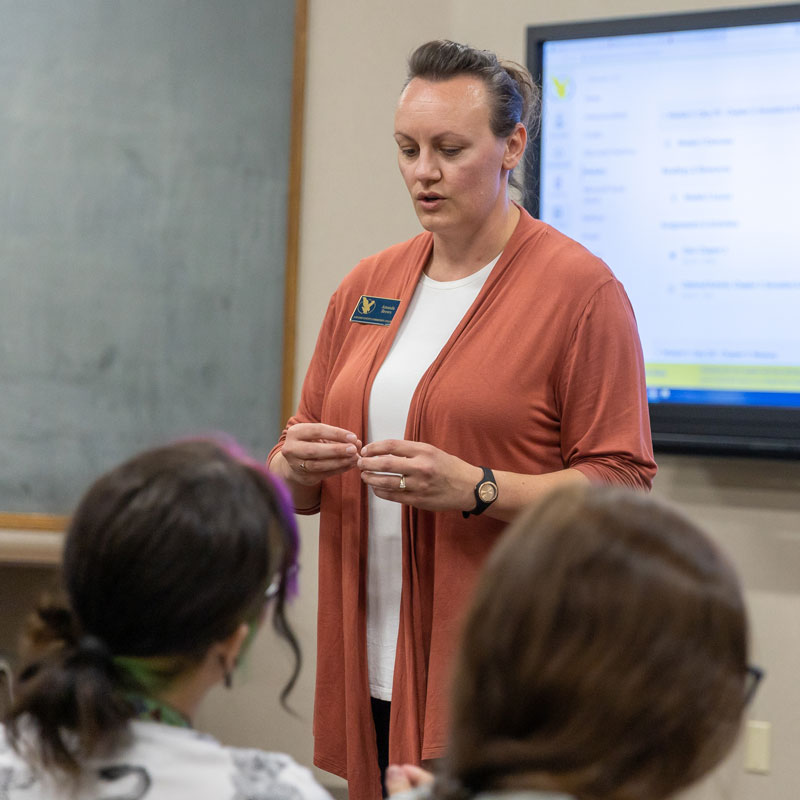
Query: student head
point(605, 653)
point(166, 564)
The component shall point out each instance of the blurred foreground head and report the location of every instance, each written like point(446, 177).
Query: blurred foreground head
point(167, 556)
point(605, 653)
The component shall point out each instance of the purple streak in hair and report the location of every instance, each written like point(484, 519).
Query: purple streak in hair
point(282, 496)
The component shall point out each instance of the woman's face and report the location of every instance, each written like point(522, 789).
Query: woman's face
point(455, 168)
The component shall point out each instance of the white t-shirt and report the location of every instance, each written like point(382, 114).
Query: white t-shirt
point(166, 763)
point(433, 314)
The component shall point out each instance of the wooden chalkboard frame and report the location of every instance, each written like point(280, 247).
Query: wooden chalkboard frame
point(38, 524)
point(293, 219)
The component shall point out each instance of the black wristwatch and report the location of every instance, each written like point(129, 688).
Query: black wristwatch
point(485, 493)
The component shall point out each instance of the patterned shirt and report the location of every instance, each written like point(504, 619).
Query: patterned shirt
point(162, 762)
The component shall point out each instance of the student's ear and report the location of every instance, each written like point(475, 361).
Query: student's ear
point(229, 649)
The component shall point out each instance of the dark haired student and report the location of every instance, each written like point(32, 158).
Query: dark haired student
point(481, 363)
point(171, 562)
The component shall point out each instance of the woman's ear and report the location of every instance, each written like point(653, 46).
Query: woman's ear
point(228, 649)
point(515, 147)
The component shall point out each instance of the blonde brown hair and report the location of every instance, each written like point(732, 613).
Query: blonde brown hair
point(513, 95)
point(605, 654)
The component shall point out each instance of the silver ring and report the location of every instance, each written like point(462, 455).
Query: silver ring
point(402, 483)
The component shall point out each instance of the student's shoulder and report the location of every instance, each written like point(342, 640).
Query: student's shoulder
point(17, 779)
point(262, 775)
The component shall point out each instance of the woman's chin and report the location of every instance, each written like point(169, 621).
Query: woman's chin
point(433, 221)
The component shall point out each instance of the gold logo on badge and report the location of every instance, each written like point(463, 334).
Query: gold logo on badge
point(368, 312)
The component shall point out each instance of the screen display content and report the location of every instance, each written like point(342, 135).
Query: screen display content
point(670, 147)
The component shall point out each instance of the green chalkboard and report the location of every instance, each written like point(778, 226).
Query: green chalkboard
point(144, 158)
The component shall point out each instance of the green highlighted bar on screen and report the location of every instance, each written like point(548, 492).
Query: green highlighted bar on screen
point(724, 376)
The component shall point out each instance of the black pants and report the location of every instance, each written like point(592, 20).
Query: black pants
point(380, 716)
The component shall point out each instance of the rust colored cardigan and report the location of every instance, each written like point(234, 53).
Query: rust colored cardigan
point(544, 372)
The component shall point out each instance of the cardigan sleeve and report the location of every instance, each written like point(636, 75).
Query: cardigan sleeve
point(314, 384)
point(605, 427)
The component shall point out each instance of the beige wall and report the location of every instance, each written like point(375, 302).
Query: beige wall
point(354, 204)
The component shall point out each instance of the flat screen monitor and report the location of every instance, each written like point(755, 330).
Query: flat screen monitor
point(670, 147)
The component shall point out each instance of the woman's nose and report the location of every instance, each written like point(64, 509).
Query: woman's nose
point(427, 166)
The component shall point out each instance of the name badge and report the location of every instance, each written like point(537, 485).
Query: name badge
point(375, 310)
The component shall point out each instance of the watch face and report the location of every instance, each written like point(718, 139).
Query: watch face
point(487, 491)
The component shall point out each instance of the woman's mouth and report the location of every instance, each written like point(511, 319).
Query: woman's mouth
point(430, 201)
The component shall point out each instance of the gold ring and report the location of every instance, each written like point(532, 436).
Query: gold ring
point(402, 483)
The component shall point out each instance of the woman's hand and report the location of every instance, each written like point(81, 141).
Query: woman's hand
point(437, 481)
point(313, 451)
point(402, 778)
point(429, 477)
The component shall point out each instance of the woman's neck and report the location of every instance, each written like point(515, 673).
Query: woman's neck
point(177, 703)
point(151, 709)
point(186, 692)
point(457, 256)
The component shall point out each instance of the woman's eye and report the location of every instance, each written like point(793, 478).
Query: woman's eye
point(451, 151)
point(408, 152)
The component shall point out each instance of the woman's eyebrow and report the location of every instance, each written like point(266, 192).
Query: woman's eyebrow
point(436, 137)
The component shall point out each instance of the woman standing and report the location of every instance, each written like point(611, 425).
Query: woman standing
point(483, 362)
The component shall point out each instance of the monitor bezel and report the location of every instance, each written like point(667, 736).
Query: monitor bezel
point(677, 427)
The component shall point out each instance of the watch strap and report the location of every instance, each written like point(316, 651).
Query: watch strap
point(480, 504)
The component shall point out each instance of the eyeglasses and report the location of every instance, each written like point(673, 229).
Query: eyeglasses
point(753, 677)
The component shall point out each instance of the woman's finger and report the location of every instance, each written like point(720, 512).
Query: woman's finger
point(396, 780)
point(417, 776)
point(391, 464)
point(297, 452)
point(319, 431)
point(405, 777)
point(321, 467)
point(388, 482)
point(403, 448)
